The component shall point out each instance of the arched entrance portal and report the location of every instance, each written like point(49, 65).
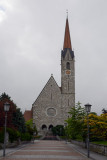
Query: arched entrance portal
point(50, 127)
point(44, 127)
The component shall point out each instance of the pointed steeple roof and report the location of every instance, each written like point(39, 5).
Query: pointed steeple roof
point(67, 39)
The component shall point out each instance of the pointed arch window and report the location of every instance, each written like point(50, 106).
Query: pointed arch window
point(68, 65)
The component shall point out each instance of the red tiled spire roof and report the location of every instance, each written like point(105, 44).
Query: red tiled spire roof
point(67, 39)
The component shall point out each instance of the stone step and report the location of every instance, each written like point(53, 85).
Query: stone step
point(50, 138)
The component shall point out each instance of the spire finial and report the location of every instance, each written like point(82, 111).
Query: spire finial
point(67, 13)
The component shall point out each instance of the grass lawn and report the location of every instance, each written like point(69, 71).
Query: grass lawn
point(100, 142)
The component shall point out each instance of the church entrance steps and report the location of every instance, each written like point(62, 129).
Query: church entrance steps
point(50, 138)
point(49, 133)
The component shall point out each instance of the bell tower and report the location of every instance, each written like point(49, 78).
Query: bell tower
point(68, 69)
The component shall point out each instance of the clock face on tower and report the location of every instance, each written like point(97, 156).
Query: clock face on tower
point(68, 72)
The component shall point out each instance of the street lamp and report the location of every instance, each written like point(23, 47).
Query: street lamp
point(65, 125)
point(6, 109)
point(33, 131)
point(88, 109)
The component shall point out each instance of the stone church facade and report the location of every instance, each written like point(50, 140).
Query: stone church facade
point(53, 104)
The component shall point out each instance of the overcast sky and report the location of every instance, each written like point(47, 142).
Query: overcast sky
point(31, 39)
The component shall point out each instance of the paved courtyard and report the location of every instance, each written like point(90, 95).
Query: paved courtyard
point(46, 150)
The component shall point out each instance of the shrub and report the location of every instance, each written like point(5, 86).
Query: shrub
point(26, 137)
point(13, 134)
point(58, 130)
point(37, 137)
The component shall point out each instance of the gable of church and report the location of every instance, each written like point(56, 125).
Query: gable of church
point(47, 106)
point(49, 92)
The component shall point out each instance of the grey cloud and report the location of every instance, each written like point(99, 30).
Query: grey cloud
point(31, 39)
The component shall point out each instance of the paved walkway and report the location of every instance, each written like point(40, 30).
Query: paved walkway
point(46, 150)
point(93, 155)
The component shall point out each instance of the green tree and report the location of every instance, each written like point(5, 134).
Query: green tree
point(31, 129)
point(5, 96)
point(75, 127)
point(13, 134)
point(98, 126)
point(58, 130)
point(19, 121)
point(94, 113)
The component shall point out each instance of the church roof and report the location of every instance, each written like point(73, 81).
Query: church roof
point(67, 39)
point(46, 88)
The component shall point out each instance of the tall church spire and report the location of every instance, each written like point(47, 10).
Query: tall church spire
point(67, 39)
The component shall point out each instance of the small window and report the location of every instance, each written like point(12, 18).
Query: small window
point(44, 127)
point(50, 127)
point(67, 65)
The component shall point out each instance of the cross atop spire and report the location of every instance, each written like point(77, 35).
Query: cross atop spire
point(67, 12)
point(67, 39)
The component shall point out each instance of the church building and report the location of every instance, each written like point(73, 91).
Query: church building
point(53, 103)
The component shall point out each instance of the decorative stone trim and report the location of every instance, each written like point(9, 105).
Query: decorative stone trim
point(51, 112)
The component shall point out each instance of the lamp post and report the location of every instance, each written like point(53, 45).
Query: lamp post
point(6, 109)
point(88, 109)
point(65, 125)
point(33, 131)
point(60, 133)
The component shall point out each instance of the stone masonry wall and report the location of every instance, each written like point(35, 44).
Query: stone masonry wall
point(47, 107)
point(102, 149)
